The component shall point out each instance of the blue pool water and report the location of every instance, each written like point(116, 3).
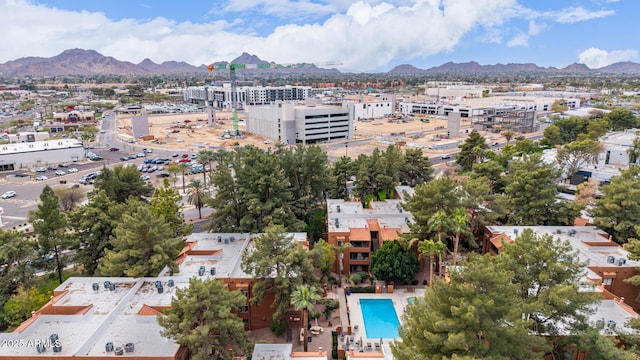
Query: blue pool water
point(380, 318)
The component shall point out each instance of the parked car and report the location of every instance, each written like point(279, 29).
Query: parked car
point(175, 155)
point(72, 170)
point(147, 151)
point(51, 167)
point(9, 194)
point(114, 149)
point(60, 172)
point(163, 175)
point(63, 165)
point(145, 177)
point(41, 169)
point(445, 156)
point(41, 178)
point(140, 155)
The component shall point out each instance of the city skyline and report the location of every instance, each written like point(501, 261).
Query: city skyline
point(364, 36)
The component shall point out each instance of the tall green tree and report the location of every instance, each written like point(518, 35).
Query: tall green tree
point(303, 298)
point(341, 250)
point(472, 151)
point(549, 288)
point(531, 190)
point(617, 211)
point(279, 265)
point(201, 318)
point(394, 262)
point(142, 245)
point(474, 316)
point(121, 183)
point(634, 151)
point(621, 119)
point(93, 226)
point(441, 193)
point(340, 174)
point(50, 225)
point(167, 202)
point(16, 253)
point(324, 256)
point(196, 195)
point(306, 168)
point(228, 200)
point(415, 169)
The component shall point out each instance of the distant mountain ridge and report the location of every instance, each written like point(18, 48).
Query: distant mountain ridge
point(81, 62)
point(473, 67)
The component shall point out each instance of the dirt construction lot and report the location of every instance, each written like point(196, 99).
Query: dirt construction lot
point(190, 132)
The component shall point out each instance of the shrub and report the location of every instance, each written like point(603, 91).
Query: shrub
point(364, 275)
point(330, 304)
point(363, 289)
point(332, 280)
point(277, 326)
point(356, 278)
point(414, 282)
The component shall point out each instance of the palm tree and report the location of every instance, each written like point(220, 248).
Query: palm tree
point(508, 135)
point(459, 225)
point(437, 222)
point(303, 298)
point(197, 196)
point(431, 248)
point(341, 249)
point(183, 167)
point(204, 158)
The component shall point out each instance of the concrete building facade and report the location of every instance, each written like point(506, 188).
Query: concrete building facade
point(40, 153)
point(309, 122)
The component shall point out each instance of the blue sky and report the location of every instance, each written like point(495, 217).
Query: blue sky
point(364, 36)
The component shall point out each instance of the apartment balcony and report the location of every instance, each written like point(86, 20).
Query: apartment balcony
point(360, 244)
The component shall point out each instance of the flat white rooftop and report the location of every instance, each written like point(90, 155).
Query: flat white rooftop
point(351, 214)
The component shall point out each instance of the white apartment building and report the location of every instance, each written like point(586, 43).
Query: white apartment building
point(309, 122)
point(220, 97)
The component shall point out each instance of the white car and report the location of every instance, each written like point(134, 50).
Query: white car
point(60, 172)
point(41, 178)
point(72, 170)
point(9, 194)
point(445, 156)
point(41, 169)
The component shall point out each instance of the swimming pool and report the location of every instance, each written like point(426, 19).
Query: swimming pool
point(380, 318)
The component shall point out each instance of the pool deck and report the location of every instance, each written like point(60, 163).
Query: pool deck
point(398, 297)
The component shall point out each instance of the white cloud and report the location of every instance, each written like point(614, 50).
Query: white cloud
point(572, 15)
point(535, 28)
point(365, 37)
point(597, 58)
point(519, 40)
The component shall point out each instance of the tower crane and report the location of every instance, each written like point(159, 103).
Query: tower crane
point(232, 67)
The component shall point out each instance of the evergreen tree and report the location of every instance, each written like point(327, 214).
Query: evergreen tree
point(621, 119)
point(201, 318)
point(415, 169)
point(474, 316)
point(279, 265)
point(16, 253)
point(531, 190)
point(228, 202)
point(50, 225)
point(341, 172)
point(122, 182)
point(472, 151)
point(93, 225)
point(143, 244)
point(618, 210)
point(441, 193)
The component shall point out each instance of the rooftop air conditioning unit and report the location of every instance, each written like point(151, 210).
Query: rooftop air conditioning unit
point(108, 347)
point(40, 348)
point(129, 347)
point(226, 240)
point(160, 289)
point(158, 283)
point(515, 232)
point(57, 348)
point(611, 259)
point(232, 239)
point(119, 351)
point(621, 261)
point(219, 239)
point(337, 223)
point(112, 287)
point(608, 331)
point(600, 324)
point(559, 231)
point(170, 283)
point(213, 271)
point(338, 208)
point(201, 270)
point(611, 324)
point(107, 284)
point(96, 286)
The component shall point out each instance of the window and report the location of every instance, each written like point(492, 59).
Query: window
point(244, 309)
point(245, 293)
point(245, 321)
point(607, 281)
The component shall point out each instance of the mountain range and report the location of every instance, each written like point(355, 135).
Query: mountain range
point(79, 62)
